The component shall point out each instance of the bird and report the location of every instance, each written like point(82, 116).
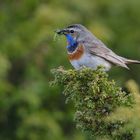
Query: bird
point(86, 50)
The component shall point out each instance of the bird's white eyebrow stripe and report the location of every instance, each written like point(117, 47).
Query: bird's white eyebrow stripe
point(72, 26)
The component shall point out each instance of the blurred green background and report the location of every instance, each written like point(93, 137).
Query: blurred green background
point(29, 108)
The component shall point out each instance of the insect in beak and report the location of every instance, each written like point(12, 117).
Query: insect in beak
point(61, 32)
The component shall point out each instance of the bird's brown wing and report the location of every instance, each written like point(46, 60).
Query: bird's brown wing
point(99, 49)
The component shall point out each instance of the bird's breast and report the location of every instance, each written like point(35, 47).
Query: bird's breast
point(77, 54)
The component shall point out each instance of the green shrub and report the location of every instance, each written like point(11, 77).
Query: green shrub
point(95, 97)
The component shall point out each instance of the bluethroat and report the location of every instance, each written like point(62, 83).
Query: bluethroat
point(84, 49)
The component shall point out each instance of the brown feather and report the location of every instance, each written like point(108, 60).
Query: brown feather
point(76, 54)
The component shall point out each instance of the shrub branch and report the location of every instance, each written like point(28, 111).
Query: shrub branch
point(95, 97)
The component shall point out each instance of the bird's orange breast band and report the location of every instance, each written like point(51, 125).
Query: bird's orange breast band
point(77, 54)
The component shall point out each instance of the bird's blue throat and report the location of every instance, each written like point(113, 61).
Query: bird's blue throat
point(72, 43)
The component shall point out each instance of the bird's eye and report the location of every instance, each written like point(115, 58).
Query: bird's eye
point(71, 31)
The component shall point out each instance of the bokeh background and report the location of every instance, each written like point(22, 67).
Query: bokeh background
point(29, 108)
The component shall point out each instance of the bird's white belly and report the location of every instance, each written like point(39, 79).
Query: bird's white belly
point(91, 61)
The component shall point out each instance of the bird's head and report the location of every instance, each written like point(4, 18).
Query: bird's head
point(73, 32)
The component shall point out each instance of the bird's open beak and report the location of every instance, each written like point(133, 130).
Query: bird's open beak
point(61, 32)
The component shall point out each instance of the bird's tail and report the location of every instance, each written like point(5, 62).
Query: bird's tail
point(130, 61)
